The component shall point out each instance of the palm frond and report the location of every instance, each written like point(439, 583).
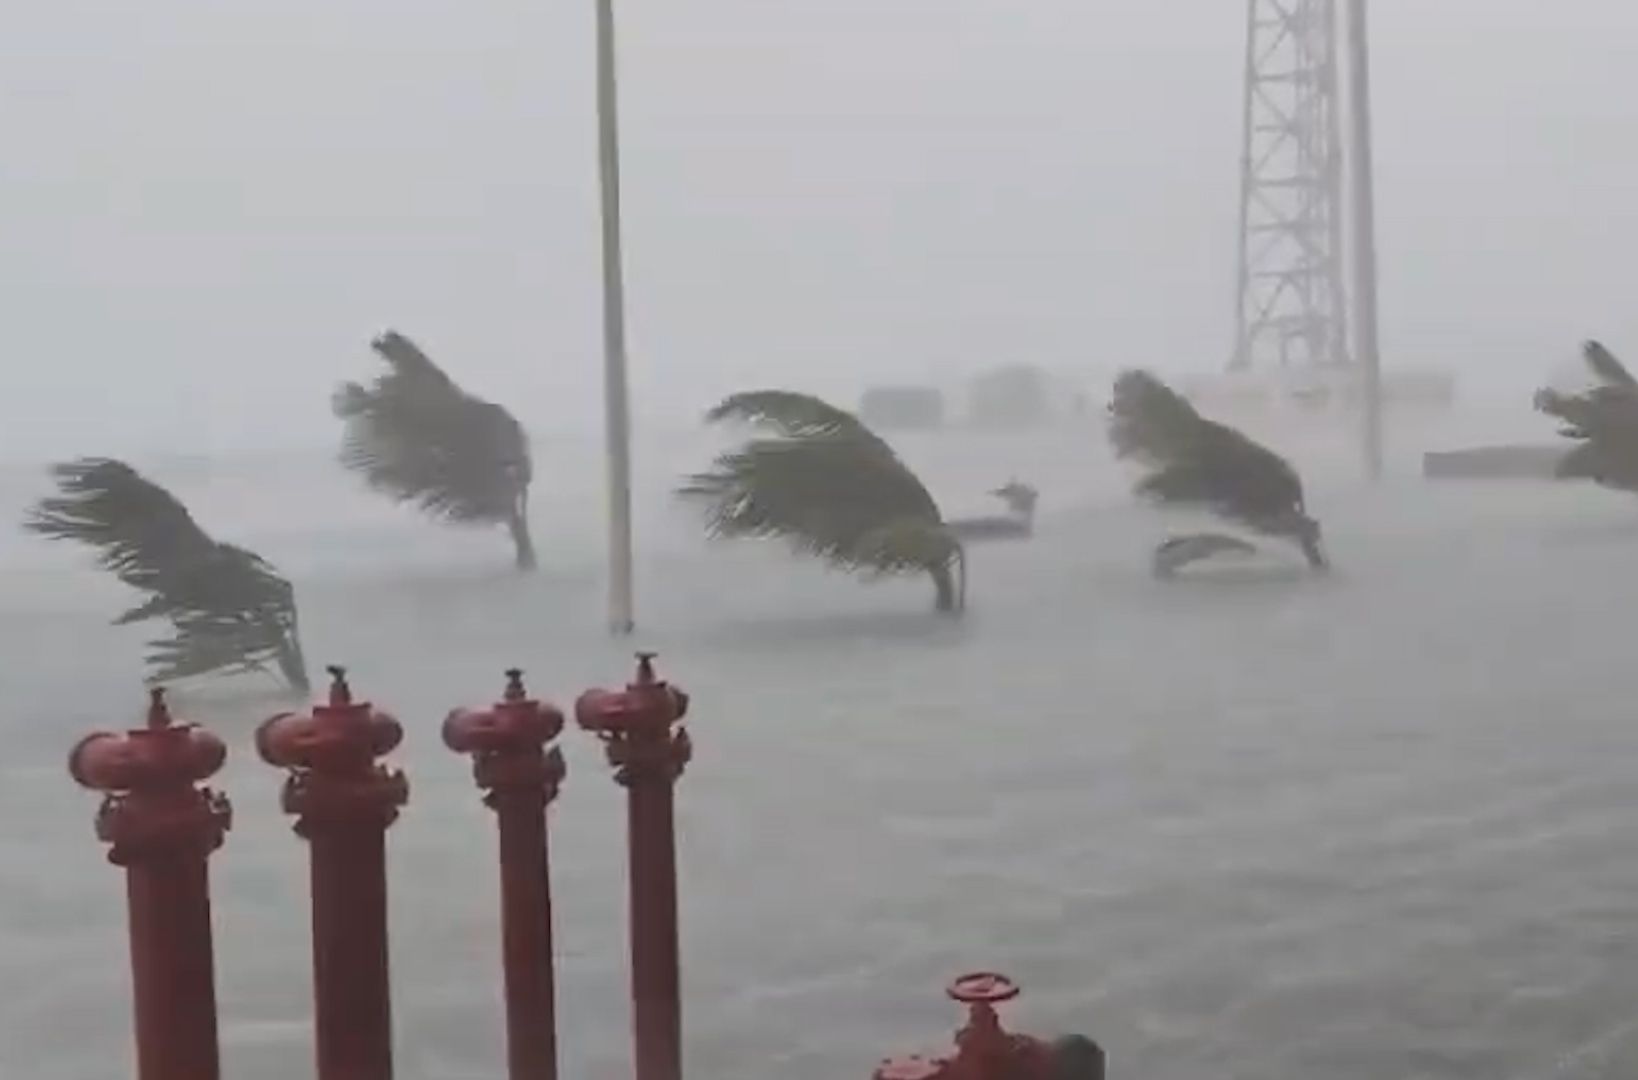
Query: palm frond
point(130, 521)
point(1149, 421)
point(1603, 420)
point(1607, 367)
point(204, 643)
point(1199, 462)
point(228, 607)
point(417, 437)
point(827, 485)
point(793, 415)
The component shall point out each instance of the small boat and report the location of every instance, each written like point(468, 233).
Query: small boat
point(1018, 523)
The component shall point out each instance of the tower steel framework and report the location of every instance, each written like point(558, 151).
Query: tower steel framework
point(1291, 304)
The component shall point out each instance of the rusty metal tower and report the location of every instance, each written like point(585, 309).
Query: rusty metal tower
point(1291, 304)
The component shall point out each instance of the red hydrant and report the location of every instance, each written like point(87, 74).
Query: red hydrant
point(635, 725)
point(344, 801)
point(985, 1051)
point(163, 829)
point(509, 760)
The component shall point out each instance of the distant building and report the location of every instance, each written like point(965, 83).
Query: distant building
point(1014, 396)
point(1507, 462)
point(902, 407)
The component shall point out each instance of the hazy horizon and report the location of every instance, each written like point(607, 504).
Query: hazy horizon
point(211, 209)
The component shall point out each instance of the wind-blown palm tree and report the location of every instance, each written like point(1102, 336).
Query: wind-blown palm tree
point(1602, 420)
point(228, 608)
point(832, 488)
point(1199, 462)
point(417, 437)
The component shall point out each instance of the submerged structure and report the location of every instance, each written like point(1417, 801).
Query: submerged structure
point(1018, 523)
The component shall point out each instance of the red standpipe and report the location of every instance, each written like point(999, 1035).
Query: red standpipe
point(162, 829)
point(344, 802)
point(509, 760)
point(636, 727)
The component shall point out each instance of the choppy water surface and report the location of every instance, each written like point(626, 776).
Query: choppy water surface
point(1258, 825)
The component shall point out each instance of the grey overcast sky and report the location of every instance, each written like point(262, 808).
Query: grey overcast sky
point(208, 207)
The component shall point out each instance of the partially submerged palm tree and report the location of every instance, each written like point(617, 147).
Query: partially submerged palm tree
point(1199, 462)
point(1603, 420)
point(829, 485)
point(229, 609)
point(417, 437)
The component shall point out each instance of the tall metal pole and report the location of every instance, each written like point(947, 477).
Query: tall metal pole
point(617, 420)
point(1242, 353)
point(1289, 284)
point(1364, 229)
point(1337, 345)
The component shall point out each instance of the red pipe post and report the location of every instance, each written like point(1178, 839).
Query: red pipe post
point(162, 829)
point(636, 727)
point(510, 761)
point(344, 802)
point(984, 1050)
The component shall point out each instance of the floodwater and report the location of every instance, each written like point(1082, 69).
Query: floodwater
point(1255, 824)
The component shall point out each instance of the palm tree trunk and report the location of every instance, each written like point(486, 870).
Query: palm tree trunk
point(1314, 553)
point(945, 584)
point(292, 663)
point(518, 526)
point(293, 666)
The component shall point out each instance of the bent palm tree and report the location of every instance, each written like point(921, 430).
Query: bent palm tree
point(1200, 462)
point(418, 437)
point(832, 488)
point(1603, 421)
point(229, 609)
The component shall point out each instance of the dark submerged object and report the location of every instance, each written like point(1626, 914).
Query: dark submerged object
point(1505, 462)
point(230, 610)
point(1603, 421)
point(1177, 552)
point(417, 437)
point(831, 487)
point(1199, 462)
point(1076, 1057)
point(1017, 524)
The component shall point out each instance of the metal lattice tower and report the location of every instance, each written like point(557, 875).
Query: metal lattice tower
point(1291, 303)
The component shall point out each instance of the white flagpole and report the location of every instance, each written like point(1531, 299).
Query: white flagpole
point(1366, 354)
point(617, 408)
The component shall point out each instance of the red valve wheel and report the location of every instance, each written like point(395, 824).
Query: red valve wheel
point(982, 988)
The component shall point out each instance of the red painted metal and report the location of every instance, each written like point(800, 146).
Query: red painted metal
point(344, 802)
point(162, 829)
point(635, 725)
point(509, 760)
point(983, 1050)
